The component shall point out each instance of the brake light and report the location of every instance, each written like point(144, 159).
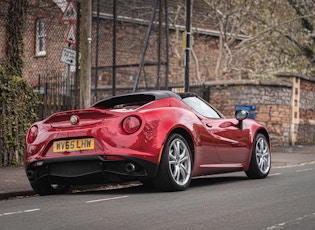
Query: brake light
point(131, 124)
point(32, 134)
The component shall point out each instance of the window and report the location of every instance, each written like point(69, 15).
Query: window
point(201, 107)
point(41, 37)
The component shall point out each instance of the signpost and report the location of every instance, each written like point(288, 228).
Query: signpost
point(68, 55)
point(71, 38)
point(70, 13)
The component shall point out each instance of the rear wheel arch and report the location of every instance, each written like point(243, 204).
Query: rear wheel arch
point(175, 169)
point(187, 137)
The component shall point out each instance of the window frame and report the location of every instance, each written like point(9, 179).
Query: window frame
point(41, 37)
point(202, 107)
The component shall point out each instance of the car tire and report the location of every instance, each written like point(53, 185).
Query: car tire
point(147, 184)
point(260, 163)
point(175, 168)
point(43, 187)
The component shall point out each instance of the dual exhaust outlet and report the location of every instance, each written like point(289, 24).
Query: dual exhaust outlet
point(129, 167)
point(30, 174)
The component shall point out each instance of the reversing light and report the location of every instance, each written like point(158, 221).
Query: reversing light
point(131, 124)
point(32, 134)
point(38, 163)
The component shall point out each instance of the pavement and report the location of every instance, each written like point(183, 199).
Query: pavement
point(14, 183)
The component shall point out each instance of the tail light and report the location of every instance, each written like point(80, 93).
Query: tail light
point(131, 124)
point(32, 134)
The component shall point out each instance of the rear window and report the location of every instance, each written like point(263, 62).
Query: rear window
point(126, 102)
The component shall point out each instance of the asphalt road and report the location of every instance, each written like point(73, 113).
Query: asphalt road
point(284, 200)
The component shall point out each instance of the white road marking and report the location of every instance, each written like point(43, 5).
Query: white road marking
point(106, 199)
point(274, 174)
point(304, 170)
point(292, 222)
point(19, 212)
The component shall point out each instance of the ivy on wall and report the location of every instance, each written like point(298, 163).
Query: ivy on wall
point(18, 107)
point(18, 101)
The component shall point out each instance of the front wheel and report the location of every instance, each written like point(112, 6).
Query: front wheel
point(261, 158)
point(176, 165)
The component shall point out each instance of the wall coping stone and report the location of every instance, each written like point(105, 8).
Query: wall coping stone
point(289, 74)
point(276, 83)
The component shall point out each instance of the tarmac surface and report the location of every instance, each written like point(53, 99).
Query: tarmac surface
point(14, 183)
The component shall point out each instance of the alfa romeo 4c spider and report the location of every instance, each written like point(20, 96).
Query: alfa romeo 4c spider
point(156, 137)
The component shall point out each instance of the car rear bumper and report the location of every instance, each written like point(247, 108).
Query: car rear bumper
point(90, 170)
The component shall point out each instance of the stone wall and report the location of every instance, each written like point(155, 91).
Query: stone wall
point(306, 127)
point(286, 105)
point(272, 102)
point(306, 132)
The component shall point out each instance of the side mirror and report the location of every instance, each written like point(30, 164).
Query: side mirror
point(241, 115)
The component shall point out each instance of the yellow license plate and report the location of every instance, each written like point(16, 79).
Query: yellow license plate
point(73, 145)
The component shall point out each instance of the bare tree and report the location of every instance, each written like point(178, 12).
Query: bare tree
point(230, 17)
point(281, 37)
point(277, 39)
point(14, 39)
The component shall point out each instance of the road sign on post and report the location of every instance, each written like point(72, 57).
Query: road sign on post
point(70, 13)
point(71, 38)
point(68, 56)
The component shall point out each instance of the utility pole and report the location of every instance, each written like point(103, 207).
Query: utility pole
point(85, 49)
point(187, 52)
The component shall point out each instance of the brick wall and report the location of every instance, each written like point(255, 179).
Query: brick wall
point(48, 67)
point(129, 46)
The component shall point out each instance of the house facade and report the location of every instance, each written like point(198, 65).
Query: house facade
point(47, 34)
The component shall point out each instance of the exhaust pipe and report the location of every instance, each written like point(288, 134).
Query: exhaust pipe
point(130, 167)
point(30, 174)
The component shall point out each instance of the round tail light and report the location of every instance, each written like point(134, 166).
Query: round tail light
point(32, 134)
point(131, 124)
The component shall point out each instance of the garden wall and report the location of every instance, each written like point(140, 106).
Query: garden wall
point(286, 105)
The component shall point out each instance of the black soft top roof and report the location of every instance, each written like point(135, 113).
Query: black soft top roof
point(135, 98)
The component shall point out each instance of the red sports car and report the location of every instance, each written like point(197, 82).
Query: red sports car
point(156, 137)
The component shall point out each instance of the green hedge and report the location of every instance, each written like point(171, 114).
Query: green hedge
point(18, 109)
